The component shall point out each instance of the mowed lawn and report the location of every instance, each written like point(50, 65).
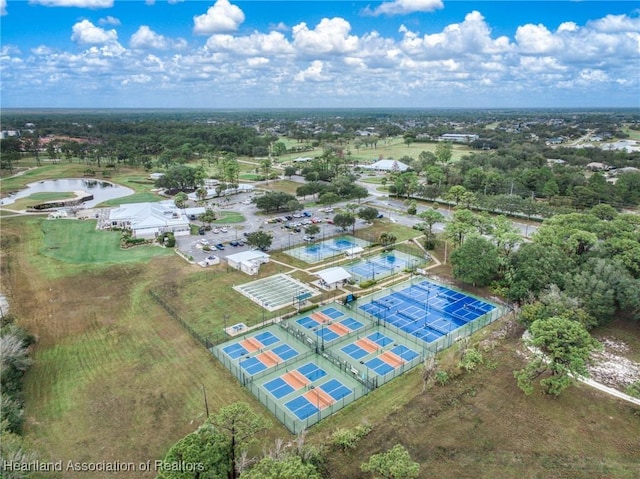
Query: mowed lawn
point(79, 242)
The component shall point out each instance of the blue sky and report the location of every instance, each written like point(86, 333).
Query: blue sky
point(306, 54)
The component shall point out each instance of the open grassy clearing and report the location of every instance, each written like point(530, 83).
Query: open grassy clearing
point(79, 242)
point(481, 425)
point(36, 198)
point(114, 377)
point(134, 198)
point(203, 298)
point(286, 186)
point(396, 148)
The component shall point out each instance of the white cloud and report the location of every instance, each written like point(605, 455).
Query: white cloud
point(75, 3)
point(463, 64)
point(313, 73)
point(145, 38)
point(137, 79)
point(616, 24)
point(109, 21)
point(222, 17)
point(331, 36)
point(404, 7)
point(85, 32)
point(3, 7)
point(272, 43)
point(472, 36)
point(537, 39)
point(257, 61)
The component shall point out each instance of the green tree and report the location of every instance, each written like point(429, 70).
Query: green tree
point(201, 194)
point(396, 463)
point(289, 171)
point(476, 261)
point(368, 213)
point(260, 239)
point(312, 229)
point(387, 240)
point(180, 200)
point(289, 467)
point(329, 198)
point(344, 220)
point(461, 224)
point(207, 217)
point(207, 450)
point(562, 351)
point(430, 218)
point(240, 424)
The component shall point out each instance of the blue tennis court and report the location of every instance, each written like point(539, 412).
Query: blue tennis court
point(267, 338)
point(248, 344)
point(378, 366)
point(355, 351)
point(427, 310)
point(380, 339)
point(407, 354)
point(312, 371)
point(278, 387)
point(252, 365)
point(301, 407)
point(333, 313)
point(285, 352)
point(335, 389)
point(383, 265)
point(314, 253)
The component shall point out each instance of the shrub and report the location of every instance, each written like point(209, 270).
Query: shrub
point(367, 283)
point(345, 439)
point(633, 389)
point(442, 377)
point(471, 359)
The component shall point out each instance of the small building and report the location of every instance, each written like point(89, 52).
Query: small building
point(155, 176)
point(354, 252)
point(148, 220)
point(597, 166)
point(248, 261)
point(386, 165)
point(459, 137)
point(333, 278)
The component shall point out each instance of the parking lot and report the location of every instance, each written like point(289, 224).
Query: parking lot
point(286, 232)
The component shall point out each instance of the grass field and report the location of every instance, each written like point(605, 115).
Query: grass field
point(78, 242)
point(36, 198)
point(144, 197)
point(113, 377)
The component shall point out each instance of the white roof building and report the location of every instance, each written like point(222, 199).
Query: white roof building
point(331, 278)
point(148, 220)
point(386, 165)
point(248, 261)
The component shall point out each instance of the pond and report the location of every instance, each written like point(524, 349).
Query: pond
point(101, 190)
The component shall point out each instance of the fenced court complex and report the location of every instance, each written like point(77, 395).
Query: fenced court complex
point(383, 265)
point(308, 367)
point(314, 253)
point(431, 312)
point(277, 291)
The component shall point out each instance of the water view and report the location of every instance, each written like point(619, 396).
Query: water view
point(101, 190)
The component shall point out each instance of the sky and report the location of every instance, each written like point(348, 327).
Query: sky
point(232, 54)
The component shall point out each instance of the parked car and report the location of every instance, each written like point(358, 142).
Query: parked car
point(308, 238)
point(380, 215)
point(220, 246)
point(203, 242)
point(201, 231)
point(224, 230)
point(234, 243)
